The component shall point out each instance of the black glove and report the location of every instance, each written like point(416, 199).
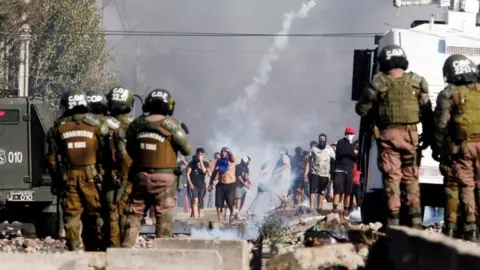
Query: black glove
point(435, 155)
point(98, 180)
point(116, 180)
point(424, 142)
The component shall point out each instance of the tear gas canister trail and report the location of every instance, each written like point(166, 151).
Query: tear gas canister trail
point(238, 125)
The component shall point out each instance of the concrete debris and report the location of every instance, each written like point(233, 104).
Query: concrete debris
point(32, 245)
point(375, 226)
point(307, 238)
point(338, 255)
point(331, 217)
point(363, 252)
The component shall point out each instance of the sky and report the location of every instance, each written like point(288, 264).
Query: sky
point(309, 86)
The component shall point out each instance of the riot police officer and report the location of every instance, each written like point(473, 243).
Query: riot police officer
point(457, 132)
point(97, 102)
point(78, 139)
point(120, 103)
point(153, 141)
point(401, 101)
point(99, 105)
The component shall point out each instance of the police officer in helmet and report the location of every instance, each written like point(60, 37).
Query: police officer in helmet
point(153, 141)
point(120, 104)
point(97, 103)
point(457, 137)
point(78, 138)
point(400, 100)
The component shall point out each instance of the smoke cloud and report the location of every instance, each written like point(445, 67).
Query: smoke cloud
point(241, 127)
point(215, 233)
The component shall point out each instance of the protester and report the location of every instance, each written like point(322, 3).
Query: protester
point(281, 174)
point(225, 188)
point(211, 194)
point(345, 156)
point(329, 190)
point(298, 166)
point(242, 174)
point(196, 171)
point(317, 170)
point(355, 196)
point(182, 164)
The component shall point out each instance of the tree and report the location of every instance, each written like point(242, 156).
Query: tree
point(10, 27)
point(67, 49)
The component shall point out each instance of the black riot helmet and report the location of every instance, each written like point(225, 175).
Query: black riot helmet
point(159, 101)
point(120, 100)
point(97, 102)
point(459, 70)
point(392, 56)
point(74, 101)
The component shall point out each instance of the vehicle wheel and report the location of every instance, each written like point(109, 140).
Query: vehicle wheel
point(49, 224)
point(374, 207)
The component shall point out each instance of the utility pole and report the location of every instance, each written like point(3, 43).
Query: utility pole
point(23, 67)
point(4, 66)
point(138, 77)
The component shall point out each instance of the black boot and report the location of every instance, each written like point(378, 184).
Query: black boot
point(449, 232)
point(471, 236)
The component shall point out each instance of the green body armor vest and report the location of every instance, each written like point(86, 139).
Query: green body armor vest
point(398, 99)
point(466, 113)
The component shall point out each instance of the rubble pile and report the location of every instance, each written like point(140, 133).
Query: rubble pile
point(290, 240)
point(15, 238)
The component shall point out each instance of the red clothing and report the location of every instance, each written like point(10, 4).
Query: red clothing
point(356, 175)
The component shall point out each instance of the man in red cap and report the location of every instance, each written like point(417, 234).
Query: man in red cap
point(345, 157)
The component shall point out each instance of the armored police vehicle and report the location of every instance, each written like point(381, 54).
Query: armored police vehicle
point(25, 185)
point(427, 44)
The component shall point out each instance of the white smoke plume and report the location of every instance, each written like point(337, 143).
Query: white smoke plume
point(240, 124)
point(215, 233)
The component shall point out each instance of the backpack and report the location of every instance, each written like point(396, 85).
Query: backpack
point(466, 115)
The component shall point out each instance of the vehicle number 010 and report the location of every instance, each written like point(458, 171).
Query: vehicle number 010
point(15, 157)
point(25, 197)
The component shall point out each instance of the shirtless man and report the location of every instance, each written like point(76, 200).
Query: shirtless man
point(225, 188)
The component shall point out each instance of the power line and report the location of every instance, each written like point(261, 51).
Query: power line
point(213, 34)
point(229, 34)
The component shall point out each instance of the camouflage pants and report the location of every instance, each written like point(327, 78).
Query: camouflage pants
point(116, 199)
point(451, 194)
point(396, 161)
point(464, 168)
point(82, 199)
point(122, 204)
point(157, 189)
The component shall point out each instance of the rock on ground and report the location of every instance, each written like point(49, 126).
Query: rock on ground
point(337, 255)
